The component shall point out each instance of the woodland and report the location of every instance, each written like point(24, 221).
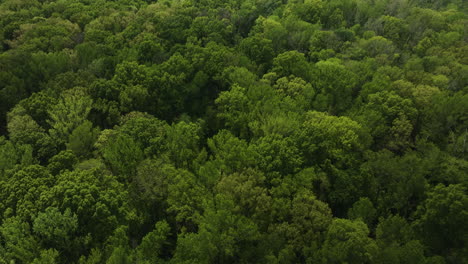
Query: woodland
point(237, 131)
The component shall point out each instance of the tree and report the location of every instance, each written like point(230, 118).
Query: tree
point(270, 28)
point(23, 191)
point(152, 245)
point(48, 256)
point(233, 108)
point(258, 49)
point(392, 28)
point(182, 143)
point(37, 106)
point(69, 113)
point(97, 198)
point(297, 89)
point(17, 242)
point(247, 190)
point(53, 34)
point(206, 29)
point(223, 236)
point(440, 218)
point(8, 156)
point(292, 63)
point(149, 50)
point(22, 128)
point(65, 160)
point(336, 145)
point(146, 130)
point(334, 94)
point(186, 198)
point(324, 40)
point(278, 154)
point(170, 86)
point(81, 140)
point(338, 139)
point(230, 153)
point(308, 10)
point(363, 210)
point(122, 155)
point(390, 118)
point(396, 241)
point(348, 241)
point(301, 222)
point(57, 230)
point(299, 33)
point(397, 183)
point(134, 98)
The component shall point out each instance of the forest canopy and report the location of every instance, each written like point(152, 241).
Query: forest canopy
point(238, 131)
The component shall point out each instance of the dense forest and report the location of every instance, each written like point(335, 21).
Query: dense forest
point(238, 131)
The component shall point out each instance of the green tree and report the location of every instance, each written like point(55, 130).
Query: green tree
point(183, 143)
point(258, 49)
point(97, 198)
point(390, 118)
point(152, 245)
point(22, 128)
point(363, 210)
point(347, 241)
point(249, 194)
point(23, 191)
point(57, 230)
point(146, 130)
point(396, 241)
point(186, 198)
point(233, 108)
point(303, 221)
point(122, 155)
point(398, 183)
point(335, 85)
point(292, 63)
point(8, 156)
point(338, 139)
point(70, 112)
point(48, 256)
point(223, 236)
point(270, 28)
point(81, 140)
point(65, 160)
point(439, 221)
point(18, 244)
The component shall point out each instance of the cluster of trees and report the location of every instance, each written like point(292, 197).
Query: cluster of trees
point(241, 131)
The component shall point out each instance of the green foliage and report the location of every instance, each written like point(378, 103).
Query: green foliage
point(335, 94)
point(397, 242)
point(97, 198)
point(152, 244)
point(338, 139)
point(440, 220)
point(65, 160)
point(291, 63)
point(223, 236)
point(348, 241)
point(81, 140)
point(364, 210)
point(8, 155)
point(48, 256)
point(123, 155)
point(183, 143)
point(56, 230)
point(17, 241)
point(250, 131)
point(69, 113)
point(23, 191)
